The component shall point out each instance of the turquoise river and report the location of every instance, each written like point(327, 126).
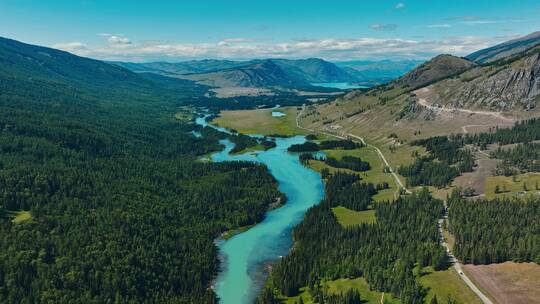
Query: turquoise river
point(245, 255)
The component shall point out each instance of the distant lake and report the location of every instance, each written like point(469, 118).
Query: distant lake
point(278, 114)
point(338, 85)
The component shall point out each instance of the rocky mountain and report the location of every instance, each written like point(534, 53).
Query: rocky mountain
point(444, 95)
point(438, 68)
point(504, 85)
point(505, 49)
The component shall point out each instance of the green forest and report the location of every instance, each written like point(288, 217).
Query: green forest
point(121, 210)
point(404, 236)
point(495, 231)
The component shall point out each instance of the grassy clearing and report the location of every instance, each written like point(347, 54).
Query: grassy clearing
point(344, 285)
point(375, 175)
point(513, 186)
point(360, 284)
point(21, 217)
point(348, 218)
point(261, 121)
point(446, 284)
point(185, 114)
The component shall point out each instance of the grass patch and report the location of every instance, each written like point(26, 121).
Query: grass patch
point(21, 217)
point(185, 114)
point(344, 285)
point(255, 148)
point(348, 218)
point(360, 284)
point(513, 186)
point(446, 284)
point(261, 121)
point(375, 175)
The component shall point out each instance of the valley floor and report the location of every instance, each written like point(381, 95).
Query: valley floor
point(493, 280)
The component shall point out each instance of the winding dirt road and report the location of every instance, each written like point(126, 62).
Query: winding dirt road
point(423, 102)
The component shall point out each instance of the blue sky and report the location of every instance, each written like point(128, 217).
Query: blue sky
point(239, 29)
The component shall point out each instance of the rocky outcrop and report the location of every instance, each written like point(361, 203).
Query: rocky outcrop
point(510, 86)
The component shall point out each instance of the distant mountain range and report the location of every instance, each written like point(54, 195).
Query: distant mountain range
point(272, 73)
point(378, 71)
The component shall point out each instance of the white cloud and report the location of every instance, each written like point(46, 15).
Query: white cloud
point(439, 25)
point(235, 48)
point(383, 27)
point(400, 5)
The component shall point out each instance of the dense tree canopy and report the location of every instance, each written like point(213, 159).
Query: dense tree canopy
point(495, 231)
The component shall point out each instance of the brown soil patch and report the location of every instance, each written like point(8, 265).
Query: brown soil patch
point(477, 179)
point(508, 283)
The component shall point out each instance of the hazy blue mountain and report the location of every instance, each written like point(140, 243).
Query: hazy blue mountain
point(261, 74)
point(378, 71)
point(226, 73)
point(314, 70)
point(506, 49)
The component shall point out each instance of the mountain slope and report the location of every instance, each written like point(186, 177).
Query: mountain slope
point(314, 70)
point(504, 86)
point(505, 49)
point(32, 73)
point(444, 95)
point(437, 68)
point(257, 75)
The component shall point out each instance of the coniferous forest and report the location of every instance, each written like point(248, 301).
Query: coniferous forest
point(405, 235)
point(495, 231)
point(121, 210)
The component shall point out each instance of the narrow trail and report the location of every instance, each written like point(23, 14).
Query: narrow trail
point(379, 152)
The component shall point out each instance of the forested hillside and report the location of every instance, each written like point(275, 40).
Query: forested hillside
point(120, 210)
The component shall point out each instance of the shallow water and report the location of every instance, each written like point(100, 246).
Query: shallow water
point(338, 85)
point(278, 114)
point(245, 255)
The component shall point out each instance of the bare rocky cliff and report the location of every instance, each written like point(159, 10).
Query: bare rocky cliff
point(502, 86)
